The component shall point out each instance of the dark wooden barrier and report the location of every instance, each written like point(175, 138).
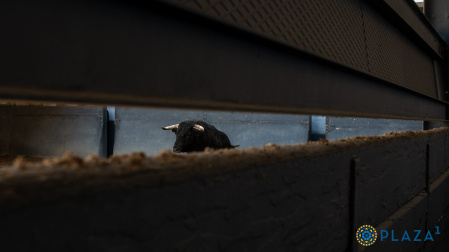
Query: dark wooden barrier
point(308, 197)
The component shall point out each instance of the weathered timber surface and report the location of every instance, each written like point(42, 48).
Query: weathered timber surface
point(439, 199)
point(441, 244)
point(387, 176)
point(423, 212)
point(438, 148)
point(261, 208)
point(275, 198)
point(410, 216)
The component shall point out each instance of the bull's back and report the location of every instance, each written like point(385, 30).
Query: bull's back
point(222, 140)
point(217, 139)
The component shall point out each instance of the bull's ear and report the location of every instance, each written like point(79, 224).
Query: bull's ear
point(198, 128)
point(173, 128)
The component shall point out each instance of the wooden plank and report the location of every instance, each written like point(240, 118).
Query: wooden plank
point(439, 198)
point(293, 197)
point(441, 242)
point(5, 129)
point(293, 205)
point(422, 212)
point(411, 216)
point(437, 155)
point(388, 176)
point(446, 156)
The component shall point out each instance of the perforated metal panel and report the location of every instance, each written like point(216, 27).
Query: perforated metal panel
point(347, 32)
point(392, 56)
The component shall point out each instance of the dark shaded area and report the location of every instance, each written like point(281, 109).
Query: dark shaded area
point(111, 138)
point(290, 198)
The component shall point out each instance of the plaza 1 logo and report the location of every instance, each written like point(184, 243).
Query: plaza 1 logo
point(366, 235)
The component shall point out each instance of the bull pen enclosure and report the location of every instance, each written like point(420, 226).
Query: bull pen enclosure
point(339, 109)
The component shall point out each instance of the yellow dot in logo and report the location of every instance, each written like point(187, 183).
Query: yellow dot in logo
point(366, 235)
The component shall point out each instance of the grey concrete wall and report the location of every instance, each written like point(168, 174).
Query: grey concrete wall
point(140, 129)
point(342, 127)
point(50, 131)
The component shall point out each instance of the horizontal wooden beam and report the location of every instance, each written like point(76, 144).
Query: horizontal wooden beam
point(291, 197)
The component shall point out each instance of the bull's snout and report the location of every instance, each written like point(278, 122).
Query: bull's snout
point(176, 150)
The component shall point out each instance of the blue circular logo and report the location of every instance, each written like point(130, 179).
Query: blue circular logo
point(366, 235)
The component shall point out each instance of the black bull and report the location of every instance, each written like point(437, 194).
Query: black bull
point(197, 135)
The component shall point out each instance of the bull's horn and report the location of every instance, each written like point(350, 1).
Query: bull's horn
point(198, 127)
point(172, 127)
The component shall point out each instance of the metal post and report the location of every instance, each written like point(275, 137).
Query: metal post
point(317, 128)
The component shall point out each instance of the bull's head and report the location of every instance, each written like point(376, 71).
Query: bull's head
point(189, 137)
